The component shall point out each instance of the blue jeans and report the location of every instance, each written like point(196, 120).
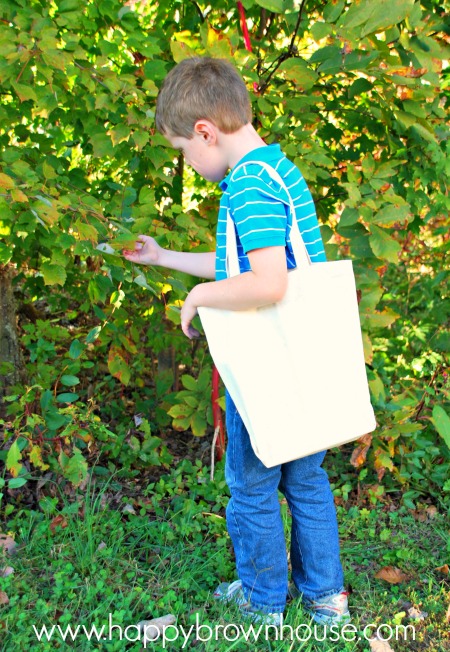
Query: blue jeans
point(256, 529)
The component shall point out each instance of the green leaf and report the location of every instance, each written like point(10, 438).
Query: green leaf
point(86, 231)
point(74, 468)
point(24, 92)
point(198, 424)
point(180, 410)
point(386, 13)
point(93, 334)
point(441, 422)
point(320, 31)
point(158, 157)
point(46, 400)
point(53, 274)
point(277, 6)
point(349, 216)
point(297, 70)
point(375, 16)
point(360, 85)
point(16, 483)
point(13, 459)
point(102, 145)
point(55, 420)
point(69, 381)
point(76, 349)
point(67, 397)
point(5, 253)
point(383, 245)
point(378, 319)
point(119, 368)
point(390, 215)
point(117, 298)
point(189, 382)
point(333, 10)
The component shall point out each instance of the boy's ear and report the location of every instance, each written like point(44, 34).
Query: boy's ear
point(207, 131)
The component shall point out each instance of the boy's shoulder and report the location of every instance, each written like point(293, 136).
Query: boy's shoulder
point(261, 169)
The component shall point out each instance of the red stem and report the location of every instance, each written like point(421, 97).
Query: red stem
point(248, 45)
point(217, 413)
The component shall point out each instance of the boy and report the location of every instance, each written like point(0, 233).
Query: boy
point(204, 110)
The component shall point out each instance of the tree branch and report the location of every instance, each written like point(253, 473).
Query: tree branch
point(199, 11)
point(290, 52)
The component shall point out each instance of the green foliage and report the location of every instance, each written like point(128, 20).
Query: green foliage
point(192, 407)
point(163, 548)
point(354, 93)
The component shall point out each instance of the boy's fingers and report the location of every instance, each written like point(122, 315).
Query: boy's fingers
point(190, 331)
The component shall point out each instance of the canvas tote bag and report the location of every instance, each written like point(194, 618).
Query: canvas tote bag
point(295, 369)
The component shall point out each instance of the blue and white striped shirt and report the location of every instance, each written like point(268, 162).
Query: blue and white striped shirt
point(259, 207)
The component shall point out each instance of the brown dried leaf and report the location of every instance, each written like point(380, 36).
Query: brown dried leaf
point(443, 569)
point(416, 614)
point(153, 629)
point(378, 645)
point(431, 511)
point(58, 521)
point(392, 575)
point(360, 453)
point(7, 543)
point(3, 598)
point(447, 615)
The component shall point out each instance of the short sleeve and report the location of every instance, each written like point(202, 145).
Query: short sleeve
point(259, 209)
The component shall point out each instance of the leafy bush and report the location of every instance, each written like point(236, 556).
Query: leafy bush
point(353, 92)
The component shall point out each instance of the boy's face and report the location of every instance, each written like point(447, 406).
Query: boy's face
point(203, 153)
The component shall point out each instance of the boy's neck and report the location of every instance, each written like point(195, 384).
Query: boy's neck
point(239, 143)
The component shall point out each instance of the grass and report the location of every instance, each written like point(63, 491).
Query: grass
point(108, 556)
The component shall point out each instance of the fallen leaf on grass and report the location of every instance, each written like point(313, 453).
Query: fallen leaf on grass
point(153, 629)
point(378, 645)
point(424, 515)
point(101, 545)
point(7, 543)
point(447, 615)
point(3, 598)
point(443, 569)
point(6, 570)
point(392, 575)
point(432, 511)
point(128, 509)
point(58, 521)
point(415, 614)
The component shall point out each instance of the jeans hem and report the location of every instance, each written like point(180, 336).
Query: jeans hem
point(320, 596)
point(264, 609)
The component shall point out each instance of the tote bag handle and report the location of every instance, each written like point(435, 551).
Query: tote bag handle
point(300, 252)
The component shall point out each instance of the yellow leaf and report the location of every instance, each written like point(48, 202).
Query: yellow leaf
point(18, 195)
point(36, 458)
point(368, 350)
point(6, 182)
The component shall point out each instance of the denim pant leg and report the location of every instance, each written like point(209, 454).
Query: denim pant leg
point(315, 558)
point(254, 519)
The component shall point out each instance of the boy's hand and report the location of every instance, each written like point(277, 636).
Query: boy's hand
point(188, 312)
point(147, 251)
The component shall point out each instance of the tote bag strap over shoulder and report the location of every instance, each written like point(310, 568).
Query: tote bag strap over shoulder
point(298, 246)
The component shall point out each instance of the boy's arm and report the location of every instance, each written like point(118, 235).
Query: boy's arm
point(266, 283)
point(149, 252)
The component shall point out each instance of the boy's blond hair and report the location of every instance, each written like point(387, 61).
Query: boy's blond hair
point(202, 88)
